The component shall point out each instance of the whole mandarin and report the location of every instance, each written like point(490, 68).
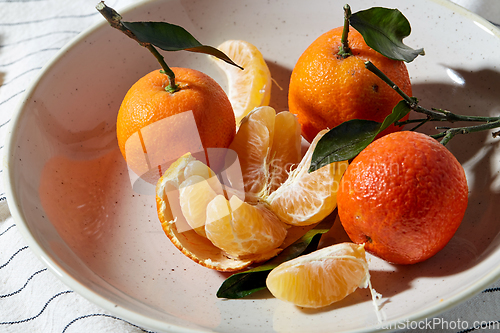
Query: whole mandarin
point(403, 196)
point(162, 126)
point(326, 89)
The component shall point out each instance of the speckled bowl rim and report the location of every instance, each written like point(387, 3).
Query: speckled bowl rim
point(145, 321)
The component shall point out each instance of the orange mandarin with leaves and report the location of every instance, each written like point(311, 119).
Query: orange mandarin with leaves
point(327, 89)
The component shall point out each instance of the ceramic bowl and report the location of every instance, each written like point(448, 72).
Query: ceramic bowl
point(69, 190)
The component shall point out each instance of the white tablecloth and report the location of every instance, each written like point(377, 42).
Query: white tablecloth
point(31, 298)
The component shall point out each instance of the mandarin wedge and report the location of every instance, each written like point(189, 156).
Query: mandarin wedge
point(248, 88)
point(244, 230)
point(268, 147)
point(307, 198)
point(200, 186)
point(322, 277)
point(194, 195)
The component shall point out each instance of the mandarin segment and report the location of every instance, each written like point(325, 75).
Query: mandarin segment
point(286, 149)
point(248, 88)
point(404, 196)
point(268, 146)
point(194, 195)
point(322, 277)
point(242, 229)
point(307, 198)
point(252, 144)
point(200, 186)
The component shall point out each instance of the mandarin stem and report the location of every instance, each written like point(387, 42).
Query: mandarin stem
point(438, 114)
point(451, 117)
point(114, 19)
point(423, 122)
point(372, 68)
point(344, 49)
point(449, 133)
point(172, 87)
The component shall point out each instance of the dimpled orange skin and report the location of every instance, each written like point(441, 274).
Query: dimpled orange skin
point(326, 90)
point(147, 102)
point(404, 196)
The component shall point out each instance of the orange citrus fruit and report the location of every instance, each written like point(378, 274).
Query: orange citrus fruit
point(322, 277)
point(403, 196)
point(326, 89)
point(248, 88)
point(155, 127)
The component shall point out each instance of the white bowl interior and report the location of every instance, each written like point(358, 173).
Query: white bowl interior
point(71, 195)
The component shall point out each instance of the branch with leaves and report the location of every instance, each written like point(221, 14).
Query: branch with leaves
point(438, 114)
point(166, 36)
point(383, 30)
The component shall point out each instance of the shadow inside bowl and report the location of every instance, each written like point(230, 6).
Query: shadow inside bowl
point(279, 91)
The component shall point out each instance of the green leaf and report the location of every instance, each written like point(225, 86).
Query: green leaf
point(245, 283)
point(398, 112)
point(171, 37)
point(343, 142)
point(384, 29)
point(348, 139)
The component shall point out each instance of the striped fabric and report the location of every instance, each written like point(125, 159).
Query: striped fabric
point(31, 298)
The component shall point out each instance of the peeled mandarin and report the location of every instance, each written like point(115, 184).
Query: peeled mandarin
point(196, 247)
